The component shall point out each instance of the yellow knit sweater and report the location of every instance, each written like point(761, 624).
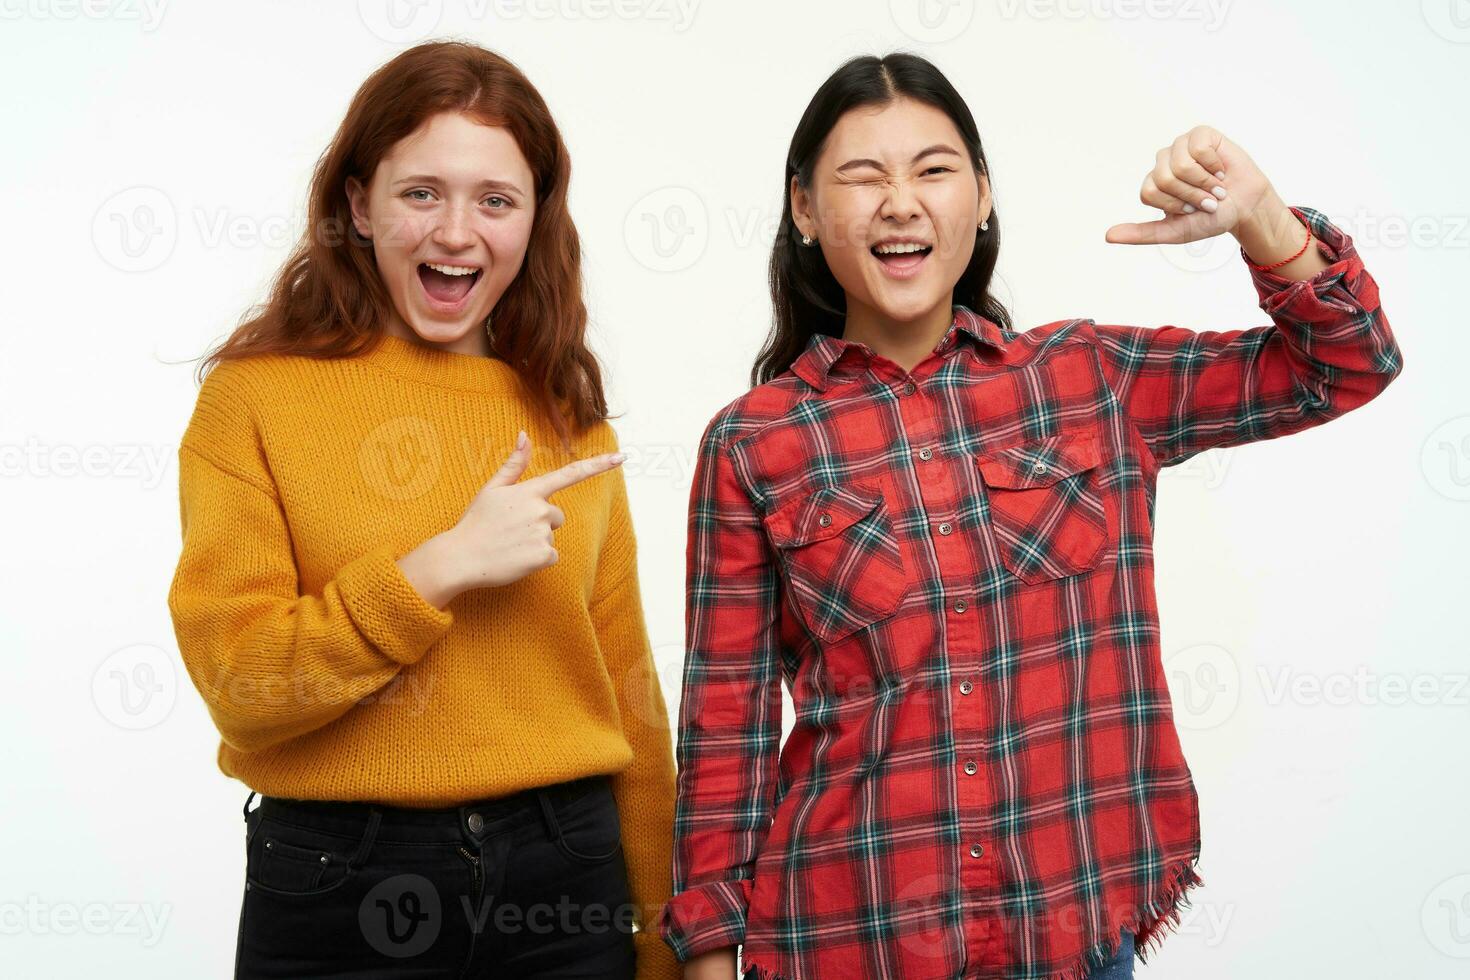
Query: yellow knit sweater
point(330, 677)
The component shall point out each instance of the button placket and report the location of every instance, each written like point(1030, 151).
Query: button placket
point(959, 630)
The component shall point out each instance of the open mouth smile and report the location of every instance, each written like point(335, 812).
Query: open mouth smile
point(447, 286)
point(902, 258)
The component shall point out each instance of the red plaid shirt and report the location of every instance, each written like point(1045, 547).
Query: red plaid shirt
point(951, 568)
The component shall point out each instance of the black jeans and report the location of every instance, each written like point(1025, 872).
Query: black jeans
point(528, 885)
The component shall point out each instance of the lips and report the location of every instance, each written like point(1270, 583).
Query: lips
point(906, 261)
point(448, 291)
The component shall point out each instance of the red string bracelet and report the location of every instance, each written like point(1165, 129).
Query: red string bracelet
point(1277, 265)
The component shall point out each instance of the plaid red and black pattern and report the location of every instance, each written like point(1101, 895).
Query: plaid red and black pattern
point(951, 569)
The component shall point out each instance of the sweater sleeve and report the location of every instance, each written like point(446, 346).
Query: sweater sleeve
point(271, 663)
point(645, 790)
point(1328, 350)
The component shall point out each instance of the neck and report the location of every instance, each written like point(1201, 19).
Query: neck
point(904, 342)
point(476, 341)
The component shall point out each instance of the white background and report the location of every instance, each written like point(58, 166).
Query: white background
point(1312, 589)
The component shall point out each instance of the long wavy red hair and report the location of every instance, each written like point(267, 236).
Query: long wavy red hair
point(329, 301)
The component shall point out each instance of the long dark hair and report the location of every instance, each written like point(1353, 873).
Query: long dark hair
point(805, 296)
point(328, 299)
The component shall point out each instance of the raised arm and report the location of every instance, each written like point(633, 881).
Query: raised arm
point(1327, 350)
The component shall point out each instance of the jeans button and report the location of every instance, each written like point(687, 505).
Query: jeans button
point(477, 823)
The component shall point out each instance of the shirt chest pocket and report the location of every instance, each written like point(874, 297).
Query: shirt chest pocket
point(841, 557)
point(1046, 505)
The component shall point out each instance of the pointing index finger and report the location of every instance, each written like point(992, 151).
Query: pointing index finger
point(574, 472)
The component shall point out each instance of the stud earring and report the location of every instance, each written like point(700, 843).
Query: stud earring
point(985, 226)
point(805, 240)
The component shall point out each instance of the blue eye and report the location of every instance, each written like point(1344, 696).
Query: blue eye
point(500, 199)
point(416, 190)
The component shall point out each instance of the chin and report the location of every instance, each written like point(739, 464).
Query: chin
point(906, 310)
point(440, 332)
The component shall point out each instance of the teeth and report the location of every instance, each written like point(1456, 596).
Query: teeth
point(899, 248)
point(453, 270)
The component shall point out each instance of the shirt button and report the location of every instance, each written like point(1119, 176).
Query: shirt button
point(976, 850)
point(961, 606)
point(477, 823)
point(966, 687)
point(926, 453)
point(1039, 467)
point(825, 520)
point(945, 528)
point(908, 388)
point(970, 767)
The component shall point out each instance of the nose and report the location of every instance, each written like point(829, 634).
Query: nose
point(453, 230)
point(900, 203)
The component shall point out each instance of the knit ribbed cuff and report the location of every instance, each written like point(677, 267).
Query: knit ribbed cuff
point(387, 609)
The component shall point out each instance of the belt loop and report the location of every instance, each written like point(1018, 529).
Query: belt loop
point(375, 817)
point(246, 808)
point(548, 815)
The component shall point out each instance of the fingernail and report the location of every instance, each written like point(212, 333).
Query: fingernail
point(619, 457)
point(1220, 174)
point(1189, 209)
point(1218, 192)
point(521, 439)
point(1208, 203)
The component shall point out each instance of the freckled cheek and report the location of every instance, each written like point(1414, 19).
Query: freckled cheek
point(395, 238)
point(506, 240)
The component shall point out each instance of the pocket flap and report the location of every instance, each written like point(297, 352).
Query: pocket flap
point(821, 514)
point(1041, 462)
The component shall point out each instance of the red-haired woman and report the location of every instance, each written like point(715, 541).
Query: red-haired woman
point(408, 591)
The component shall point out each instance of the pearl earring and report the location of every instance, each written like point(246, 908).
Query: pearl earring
point(985, 226)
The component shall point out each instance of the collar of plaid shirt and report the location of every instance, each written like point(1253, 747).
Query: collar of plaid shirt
point(951, 569)
point(826, 355)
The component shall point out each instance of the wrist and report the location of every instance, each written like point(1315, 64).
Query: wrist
point(1271, 232)
point(435, 568)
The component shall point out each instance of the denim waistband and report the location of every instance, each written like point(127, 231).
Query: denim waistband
point(474, 820)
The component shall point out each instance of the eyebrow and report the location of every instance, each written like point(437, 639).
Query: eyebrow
point(487, 184)
point(927, 151)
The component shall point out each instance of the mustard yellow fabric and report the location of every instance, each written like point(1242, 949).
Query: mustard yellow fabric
point(329, 676)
